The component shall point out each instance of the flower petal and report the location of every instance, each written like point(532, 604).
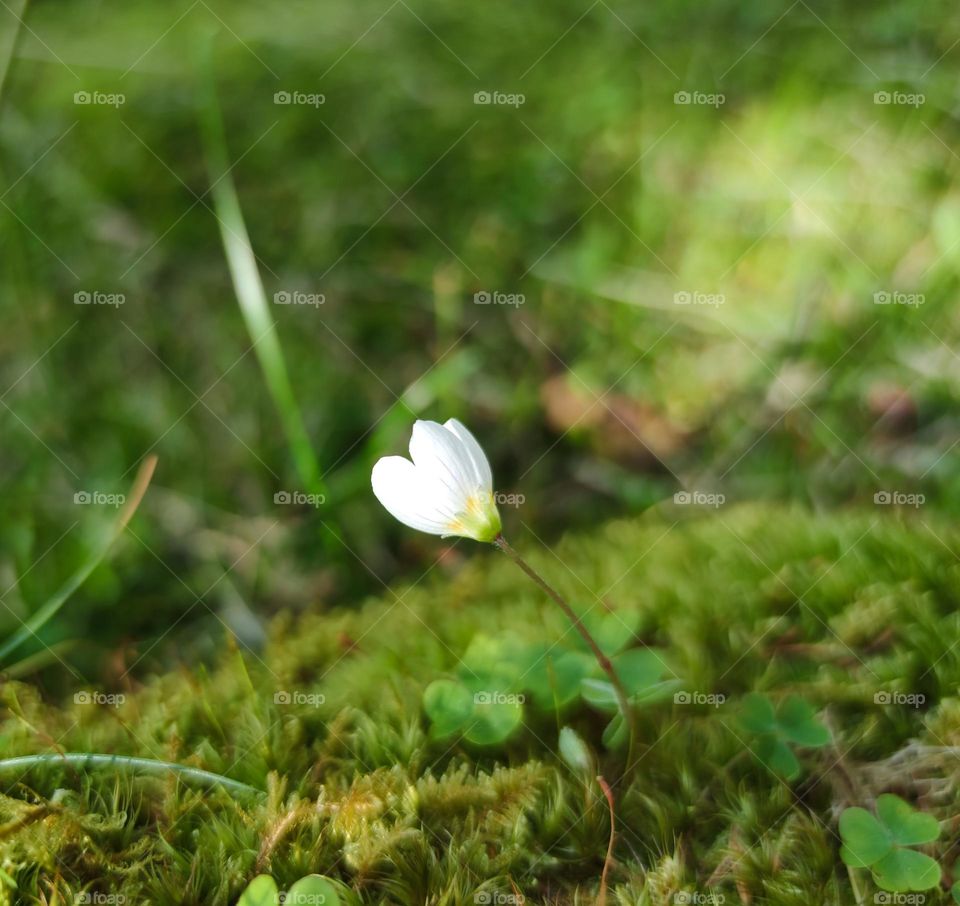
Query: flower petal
point(421, 504)
point(478, 459)
point(439, 455)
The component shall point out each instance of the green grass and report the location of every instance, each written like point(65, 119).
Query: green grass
point(797, 199)
point(836, 609)
point(398, 199)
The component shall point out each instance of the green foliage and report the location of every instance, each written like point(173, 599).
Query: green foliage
point(360, 792)
point(881, 843)
point(497, 675)
point(775, 729)
point(312, 890)
point(261, 891)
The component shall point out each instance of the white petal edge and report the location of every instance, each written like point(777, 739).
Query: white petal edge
point(419, 504)
point(440, 456)
point(478, 459)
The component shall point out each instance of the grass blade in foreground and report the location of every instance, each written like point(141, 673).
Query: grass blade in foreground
point(251, 296)
point(45, 613)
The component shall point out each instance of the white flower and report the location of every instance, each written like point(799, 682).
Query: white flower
point(446, 490)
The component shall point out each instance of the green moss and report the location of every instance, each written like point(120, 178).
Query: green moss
point(327, 721)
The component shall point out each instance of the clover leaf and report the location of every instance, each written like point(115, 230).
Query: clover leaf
point(880, 843)
point(484, 714)
point(792, 722)
point(315, 889)
point(640, 671)
point(449, 705)
point(553, 676)
point(261, 891)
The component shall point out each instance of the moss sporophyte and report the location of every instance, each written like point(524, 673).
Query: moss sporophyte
point(446, 489)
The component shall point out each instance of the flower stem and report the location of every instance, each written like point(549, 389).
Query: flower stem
point(604, 662)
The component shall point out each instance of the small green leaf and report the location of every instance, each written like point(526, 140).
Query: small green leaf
point(865, 840)
point(658, 692)
point(499, 660)
point(777, 756)
point(905, 825)
point(612, 631)
point(449, 705)
point(757, 714)
point(574, 751)
point(616, 734)
point(955, 892)
point(906, 869)
point(600, 694)
point(261, 891)
point(312, 890)
point(493, 720)
point(554, 681)
point(639, 668)
point(797, 722)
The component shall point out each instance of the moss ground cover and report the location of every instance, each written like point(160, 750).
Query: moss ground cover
point(853, 614)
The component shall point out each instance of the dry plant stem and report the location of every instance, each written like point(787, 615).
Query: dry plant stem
point(571, 614)
point(602, 898)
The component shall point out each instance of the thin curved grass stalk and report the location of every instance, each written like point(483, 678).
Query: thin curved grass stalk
point(248, 287)
point(602, 897)
point(44, 614)
point(82, 760)
point(9, 44)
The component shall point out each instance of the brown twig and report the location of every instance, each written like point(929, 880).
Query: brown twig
point(602, 898)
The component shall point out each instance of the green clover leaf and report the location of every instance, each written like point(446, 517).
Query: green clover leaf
point(313, 890)
point(792, 722)
point(880, 844)
point(553, 678)
point(449, 705)
point(261, 891)
point(477, 708)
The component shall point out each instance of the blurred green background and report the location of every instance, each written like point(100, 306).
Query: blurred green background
point(725, 235)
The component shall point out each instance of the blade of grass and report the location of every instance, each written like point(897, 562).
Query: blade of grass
point(249, 290)
point(8, 37)
point(95, 760)
point(44, 614)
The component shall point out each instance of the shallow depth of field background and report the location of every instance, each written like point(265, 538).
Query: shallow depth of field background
point(718, 245)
